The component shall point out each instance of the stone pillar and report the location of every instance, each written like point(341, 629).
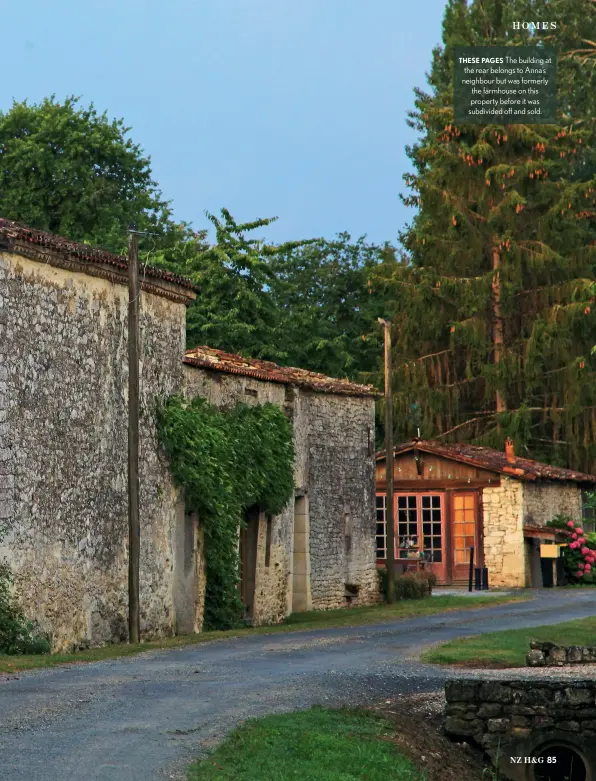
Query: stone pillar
point(301, 595)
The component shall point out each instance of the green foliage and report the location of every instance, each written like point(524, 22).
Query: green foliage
point(414, 585)
point(71, 171)
point(236, 310)
point(17, 634)
point(493, 307)
point(227, 461)
point(328, 307)
point(579, 555)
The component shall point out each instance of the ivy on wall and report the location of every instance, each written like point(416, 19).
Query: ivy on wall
point(227, 460)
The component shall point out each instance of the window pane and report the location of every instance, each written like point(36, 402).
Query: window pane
point(426, 515)
point(426, 501)
point(401, 501)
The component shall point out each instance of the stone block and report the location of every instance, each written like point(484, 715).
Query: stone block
point(535, 658)
point(520, 732)
point(462, 727)
point(461, 691)
point(556, 657)
point(574, 653)
point(498, 725)
point(495, 692)
point(568, 726)
point(490, 710)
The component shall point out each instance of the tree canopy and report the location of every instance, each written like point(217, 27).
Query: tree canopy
point(73, 172)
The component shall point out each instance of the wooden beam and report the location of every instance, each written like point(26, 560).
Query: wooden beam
point(401, 486)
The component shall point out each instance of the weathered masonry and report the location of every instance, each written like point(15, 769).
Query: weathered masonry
point(63, 456)
point(449, 498)
point(319, 553)
point(63, 436)
point(533, 730)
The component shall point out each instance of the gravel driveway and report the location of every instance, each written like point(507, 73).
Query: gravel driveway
point(145, 718)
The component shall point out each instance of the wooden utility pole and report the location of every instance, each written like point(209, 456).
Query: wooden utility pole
point(134, 529)
point(389, 513)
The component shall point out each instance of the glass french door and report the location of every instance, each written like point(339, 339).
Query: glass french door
point(420, 527)
point(464, 515)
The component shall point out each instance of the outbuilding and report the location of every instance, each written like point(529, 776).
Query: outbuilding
point(452, 497)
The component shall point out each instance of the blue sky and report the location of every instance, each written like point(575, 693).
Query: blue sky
point(288, 108)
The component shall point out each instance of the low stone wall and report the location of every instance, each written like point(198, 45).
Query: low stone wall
point(515, 721)
point(551, 655)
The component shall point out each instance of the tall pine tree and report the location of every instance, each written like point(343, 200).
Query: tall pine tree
point(495, 309)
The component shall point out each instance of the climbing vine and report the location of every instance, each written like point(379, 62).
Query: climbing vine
point(227, 460)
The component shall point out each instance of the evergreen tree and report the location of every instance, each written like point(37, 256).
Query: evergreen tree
point(494, 310)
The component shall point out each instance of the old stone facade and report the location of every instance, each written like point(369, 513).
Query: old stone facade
point(321, 552)
point(63, 456)
point(523, 723)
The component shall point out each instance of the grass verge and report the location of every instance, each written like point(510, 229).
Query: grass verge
point(509, 648)
point(312, 745)
point(297, 622)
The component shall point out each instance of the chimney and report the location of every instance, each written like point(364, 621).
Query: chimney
point(509, 450)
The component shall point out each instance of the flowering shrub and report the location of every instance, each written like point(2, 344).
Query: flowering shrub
point(580, 554)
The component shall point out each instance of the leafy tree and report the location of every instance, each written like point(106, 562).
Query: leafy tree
point(70, 171)
point(235, 310)
point(328, 307)
point(494, 310)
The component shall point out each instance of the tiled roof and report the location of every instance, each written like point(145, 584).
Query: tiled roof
point(83, 252)
point(217, 360)
point(494, 460)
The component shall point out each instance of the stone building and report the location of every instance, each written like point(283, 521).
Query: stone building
point(450, 498)
point(63, 455)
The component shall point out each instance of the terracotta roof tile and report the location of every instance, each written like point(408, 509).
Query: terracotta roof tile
point(218, 360)
point(494, 460)
point(15, 231)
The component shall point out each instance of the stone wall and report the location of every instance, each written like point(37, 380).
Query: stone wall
point(519, 719)
point(551, 655)
point(341, 490)
point(503, 534)
point(334, 470)
point(542, 501)
point(63, 454)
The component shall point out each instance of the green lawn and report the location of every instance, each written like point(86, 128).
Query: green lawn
point(294, 623)
point(509, 648)
point(313, 745)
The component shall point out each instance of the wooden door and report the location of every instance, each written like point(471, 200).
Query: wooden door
point(249, 536)
point(464, 524)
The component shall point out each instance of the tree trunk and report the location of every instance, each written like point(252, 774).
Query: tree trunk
point(497, 322)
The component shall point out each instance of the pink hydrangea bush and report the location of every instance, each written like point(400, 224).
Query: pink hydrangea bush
point(580, 553)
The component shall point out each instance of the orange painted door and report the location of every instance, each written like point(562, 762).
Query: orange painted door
point(464, 518)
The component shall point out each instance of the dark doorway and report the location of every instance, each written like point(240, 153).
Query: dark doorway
point(559, 763)
point(249, 537)
point(548, 580)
